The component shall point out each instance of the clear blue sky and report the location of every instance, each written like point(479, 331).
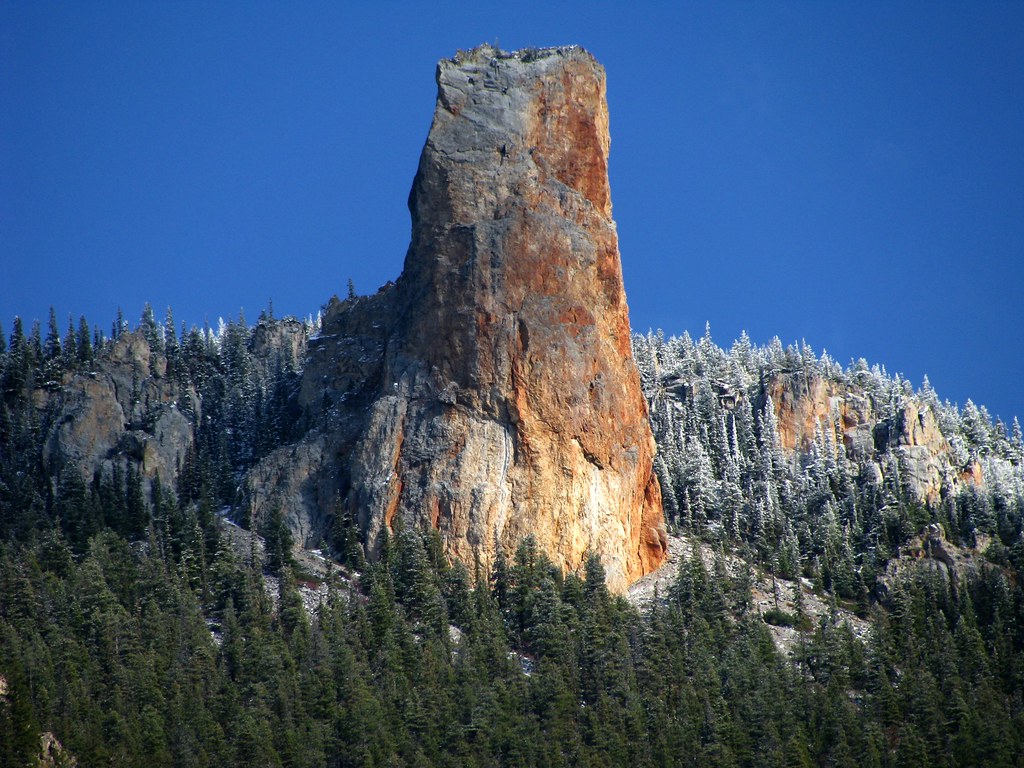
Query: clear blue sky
point(847, 173)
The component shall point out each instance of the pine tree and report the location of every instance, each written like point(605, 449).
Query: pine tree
point(19, 363)
point(136, 514)
point(119, 326)
point(277, 541)
point(52, 347)
point(83, 346)
point(52, 354)
point(19, 733)
point(171, 348)
point(69, 357)
point(150, 329)
point(35, 344)
point(78, 516)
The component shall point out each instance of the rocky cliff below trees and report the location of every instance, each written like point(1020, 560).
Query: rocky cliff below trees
point(124, 406)
point(489, 393)
point(141, 401)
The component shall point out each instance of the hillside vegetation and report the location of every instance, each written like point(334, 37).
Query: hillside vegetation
point(135, 628)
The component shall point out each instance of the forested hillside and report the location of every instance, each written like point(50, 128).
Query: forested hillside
point(837, 505)
point(200, 405)
point(137, 629)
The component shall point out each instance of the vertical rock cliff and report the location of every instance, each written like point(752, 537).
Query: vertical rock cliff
point(494, 382)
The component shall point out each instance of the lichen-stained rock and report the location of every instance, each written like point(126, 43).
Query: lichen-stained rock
point(491, 392)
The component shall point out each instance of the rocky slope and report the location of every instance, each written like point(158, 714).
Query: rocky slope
point(490, 392)
point(766, 592)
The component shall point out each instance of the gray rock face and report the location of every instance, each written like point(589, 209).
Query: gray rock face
point(90, 426)
point(344, 363)
point(282, 341)
point(124, 409)
point(297, 477)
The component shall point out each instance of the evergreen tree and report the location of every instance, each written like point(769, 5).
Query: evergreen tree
point(69, 347)
point(83, 347)
point(119, 326)
point(277, 541)
point(150, 329)
point(52, 348)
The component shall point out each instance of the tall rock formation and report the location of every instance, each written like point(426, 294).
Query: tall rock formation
point(491, 392)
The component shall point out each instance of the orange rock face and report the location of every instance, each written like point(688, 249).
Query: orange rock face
point(513, 362)
point(491, 392)
point(911, 435)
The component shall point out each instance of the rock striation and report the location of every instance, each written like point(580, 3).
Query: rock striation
point(491, 391)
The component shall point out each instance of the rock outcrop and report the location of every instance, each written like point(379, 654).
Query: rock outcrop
point(804, 404)
point(52, 753)
point(908, 437)
point(125, 407)
point(931, 550)
point(491, 392)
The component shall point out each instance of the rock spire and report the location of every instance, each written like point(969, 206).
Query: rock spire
point(495, 380)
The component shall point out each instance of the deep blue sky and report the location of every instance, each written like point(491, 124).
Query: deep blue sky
point(850, 174)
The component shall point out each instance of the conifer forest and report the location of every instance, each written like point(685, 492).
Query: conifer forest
point(144, 623)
